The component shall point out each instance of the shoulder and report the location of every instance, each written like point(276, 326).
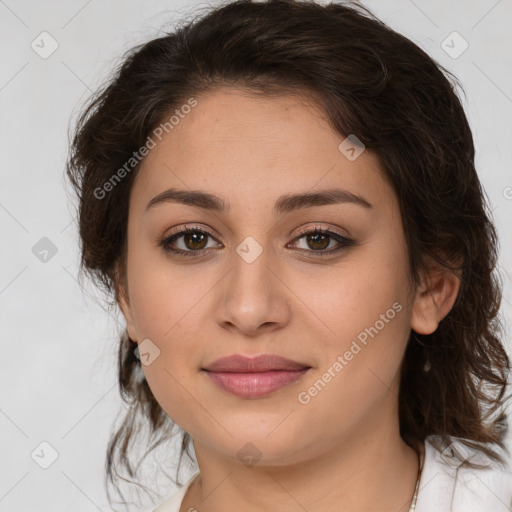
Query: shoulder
point(449, 484)
point(174, 502)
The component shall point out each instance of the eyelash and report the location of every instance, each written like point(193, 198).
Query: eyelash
point(344, 242)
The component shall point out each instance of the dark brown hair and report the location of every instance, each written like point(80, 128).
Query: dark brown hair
point(370, 81)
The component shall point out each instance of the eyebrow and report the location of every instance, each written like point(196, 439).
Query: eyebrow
point(284, 204)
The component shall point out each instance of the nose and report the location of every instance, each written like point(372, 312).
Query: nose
point(252, 298)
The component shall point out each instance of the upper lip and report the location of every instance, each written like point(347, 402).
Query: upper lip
point(261, 363)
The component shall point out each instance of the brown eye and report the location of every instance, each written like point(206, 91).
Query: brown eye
point(188, 242)
point(318, 241)
point(195, 240)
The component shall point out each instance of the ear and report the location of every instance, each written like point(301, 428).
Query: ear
point(123, 299)
point(434, 298)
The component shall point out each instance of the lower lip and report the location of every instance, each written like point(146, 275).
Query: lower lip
point(255, 385)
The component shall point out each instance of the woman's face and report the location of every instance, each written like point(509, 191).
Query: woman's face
point(254, 282)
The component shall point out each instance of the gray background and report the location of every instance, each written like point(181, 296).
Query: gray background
point(58, 374)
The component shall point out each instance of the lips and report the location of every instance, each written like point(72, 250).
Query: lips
point(254, 377)
point(263, 363)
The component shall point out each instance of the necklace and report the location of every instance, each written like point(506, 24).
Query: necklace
point(415, 497)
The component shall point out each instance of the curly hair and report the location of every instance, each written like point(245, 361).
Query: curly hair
point(370, 81)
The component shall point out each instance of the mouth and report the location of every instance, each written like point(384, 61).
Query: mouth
point(254, 377)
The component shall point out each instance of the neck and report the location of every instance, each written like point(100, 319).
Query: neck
point(373, 470)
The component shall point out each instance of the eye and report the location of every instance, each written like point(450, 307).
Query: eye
point(192, 241)
point(318, 241)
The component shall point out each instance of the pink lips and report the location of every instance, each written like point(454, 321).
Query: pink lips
point(254, 377)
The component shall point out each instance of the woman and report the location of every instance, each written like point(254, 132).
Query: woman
point(282, 198)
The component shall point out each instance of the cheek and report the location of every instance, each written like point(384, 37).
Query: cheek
point(358, 376)
point(169, 383)
point(359, 297)
point(169, 319)
point(163, 295)
point(174, 319)
point(367, 313)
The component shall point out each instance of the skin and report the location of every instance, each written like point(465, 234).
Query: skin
point(342, 450)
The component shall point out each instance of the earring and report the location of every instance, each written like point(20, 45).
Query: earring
point(427, 365)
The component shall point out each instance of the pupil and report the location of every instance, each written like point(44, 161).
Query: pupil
point(317, 239)
point(192, 239)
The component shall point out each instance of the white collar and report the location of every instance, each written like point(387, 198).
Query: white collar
point(448, 486)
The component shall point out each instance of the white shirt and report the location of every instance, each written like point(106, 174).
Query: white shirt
point(445, 486)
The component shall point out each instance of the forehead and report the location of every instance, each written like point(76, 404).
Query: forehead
point(249, 148)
